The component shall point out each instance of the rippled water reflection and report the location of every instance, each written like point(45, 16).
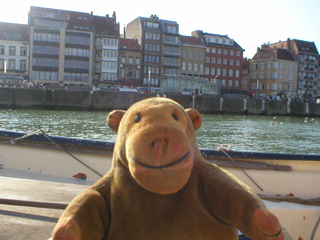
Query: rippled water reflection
point(252, 133)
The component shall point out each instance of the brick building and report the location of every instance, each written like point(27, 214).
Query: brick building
point(223, 60)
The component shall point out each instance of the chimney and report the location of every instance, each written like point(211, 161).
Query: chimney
point(124, 31)
point(91, 13)
point(288, 44)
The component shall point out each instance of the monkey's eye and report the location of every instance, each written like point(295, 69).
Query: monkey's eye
point(137, 118)
point(175, 116)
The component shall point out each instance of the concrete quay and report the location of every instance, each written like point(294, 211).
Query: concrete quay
point(109, 100)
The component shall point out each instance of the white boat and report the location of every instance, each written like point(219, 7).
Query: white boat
point(288, 183)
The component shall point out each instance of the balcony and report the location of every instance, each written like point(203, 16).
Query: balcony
point(169, 64)
point(171, 54)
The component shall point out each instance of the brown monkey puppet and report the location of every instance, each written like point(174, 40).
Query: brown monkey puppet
point(160, 187)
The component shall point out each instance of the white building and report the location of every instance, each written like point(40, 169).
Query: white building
point(14, 53)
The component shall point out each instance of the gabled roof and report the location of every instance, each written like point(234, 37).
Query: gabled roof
point(268, 53)
point(12, 30)
point(105, 25)
point(187, 40)
point(203, 34)
point(307, 47)
point(129, 44)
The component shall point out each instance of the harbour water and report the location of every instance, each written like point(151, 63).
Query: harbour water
point(246, 132)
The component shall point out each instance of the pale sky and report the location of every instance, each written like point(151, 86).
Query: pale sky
point(249, 22)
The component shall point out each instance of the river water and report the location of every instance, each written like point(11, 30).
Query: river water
point(248, 133)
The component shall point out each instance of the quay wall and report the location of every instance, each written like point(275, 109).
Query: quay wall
point(106, 101)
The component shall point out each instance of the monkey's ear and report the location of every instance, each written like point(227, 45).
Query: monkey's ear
point(114, 119)
point(195, 117)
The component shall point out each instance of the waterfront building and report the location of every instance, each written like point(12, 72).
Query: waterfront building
point(72, 48)
point(14, 53)
point(160, 42)
point(130, 63)
point(107, 37)
point(306, 53)
point(192, 57)
point(188, 85)
point(245, 74)
point(273, 71)
point(223, 60)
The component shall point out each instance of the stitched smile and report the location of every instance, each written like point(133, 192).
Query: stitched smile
point(161, 166)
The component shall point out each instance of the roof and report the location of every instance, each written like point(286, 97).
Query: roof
point(273, 53)
point(307, 47)
point(80, 20)
point(10, 31)
point(129, 44)
point(187, 40)
point(235, 44)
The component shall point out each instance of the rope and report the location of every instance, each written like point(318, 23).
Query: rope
point(222, 150)
point(315, 228)
point(43, 133)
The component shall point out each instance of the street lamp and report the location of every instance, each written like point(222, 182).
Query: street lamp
point(149, 81)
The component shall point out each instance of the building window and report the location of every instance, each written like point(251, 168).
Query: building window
point(291, 68)
point(123, 60)
point(236, 84)
point(224, 72)
point(225, 51)
point(12, 64)
point(213, 71)
point(219, 61)
point(213, 50)
point(208, 59)
point(232, 52)
point(254, 66)
point(23, 51)
point(172, 29)
point(201, 67)
point(184, 53)
point(238, 63)
point(291, 77)
point(2, 50)
point(196, 55)
point(261, 65)
point(218, 71)
point(137, 75)
point(274, 75)
point(225, 61)
point(23, 65)
point(152, 25)
point(190, 54)
point(230, 72)
point(12, 51)
point(219, 51)
point(206, 70)
point(184, 66)
point(238, 54)
point(138, 61)
point(275, 65)
point(213, 60)
point(237, 73)
point(223, 83)
point(230, 83)
point(231, 62)
point(195, 67)
point(130, 60)
point(190, 67)
point(261, 75)
point(123, 73)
